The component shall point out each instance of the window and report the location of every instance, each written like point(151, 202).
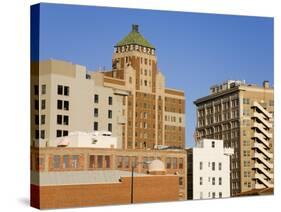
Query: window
point(145, 82)
point(201, 181)
point(133, 161)
point(66, 105)
point(60, 90)
point(201, 165)
point(43, 104)
point(180, 181)
point(36, 90)
point(110, 114)
point(36, 105)
point(119, 162)
point(96, 112)
point(201, 195)
point(65, 133)
point(174, 163)
point(213, 181)
point(59, 104)
point(96, 98)
point(109, 127)
point(214, 195)
point(126, 162)
point(220, 181)
point(220, 166)
point(59, 133)
point(180, 163)
point(43, 89)
point(36, 119)
point(100, 160)
point(43, 119)
point(220, 194)
point(168, 163)
point(107, 161)
point(36, 134)
point(92, 161)
point(75, 161)
point(96, 126)
point(56, 161)
point(65, 161)
point(66, 91)
point(59, 119)
point(42, 134)
point(213, 144)
point(213, 166)
point(110, 100)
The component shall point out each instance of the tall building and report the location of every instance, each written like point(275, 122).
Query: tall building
point(208, 170)
point(155, 114)
point(65, 99)
point(242, 115)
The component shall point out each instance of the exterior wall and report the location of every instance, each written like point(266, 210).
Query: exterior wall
point(81, 102)
point(146, 189)
point(223, 115)
point(203, 187)
point(109, 159)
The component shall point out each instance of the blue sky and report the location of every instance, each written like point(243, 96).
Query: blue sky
point(194, 50)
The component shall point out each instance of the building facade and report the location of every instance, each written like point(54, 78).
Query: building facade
point(242, 115)
point(208, 170)
point(74, 160)
point(65, 99)
point(155, 115)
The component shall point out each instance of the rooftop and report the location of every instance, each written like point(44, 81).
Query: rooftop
point(134, 37)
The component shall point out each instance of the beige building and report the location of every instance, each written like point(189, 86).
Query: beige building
point(65, 99)
point(242, 115)
point(155, 114)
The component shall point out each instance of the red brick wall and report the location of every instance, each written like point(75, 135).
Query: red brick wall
point(146, 189)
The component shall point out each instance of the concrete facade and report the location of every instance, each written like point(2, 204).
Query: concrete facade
point(242, 115)
point(208, 170)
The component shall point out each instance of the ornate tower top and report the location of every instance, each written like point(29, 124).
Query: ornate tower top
point(134, 38)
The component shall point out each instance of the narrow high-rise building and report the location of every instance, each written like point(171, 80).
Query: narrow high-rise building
point(242, 116)
point(155, 115)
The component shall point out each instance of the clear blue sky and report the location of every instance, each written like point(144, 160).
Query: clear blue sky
point(194, 50)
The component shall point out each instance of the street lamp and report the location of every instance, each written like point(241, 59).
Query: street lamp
point(132, 181)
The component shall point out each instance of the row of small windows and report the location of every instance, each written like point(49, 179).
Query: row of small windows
point(209, 195)
point(96, 113)
point(62, 119)
point(96, 126)
point(209, 165)
point(209, 180)
point(63, 90)
point(36, 89)
point(173, 119)
point(62, 105)
point(96, 99)
point(60, 133)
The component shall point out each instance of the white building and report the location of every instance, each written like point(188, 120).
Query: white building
point(208, 170)
point(96, 139)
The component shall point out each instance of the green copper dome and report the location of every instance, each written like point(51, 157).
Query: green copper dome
point(134, 37)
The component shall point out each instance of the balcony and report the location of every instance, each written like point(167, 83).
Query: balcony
point(260, 178)
point(260, 157)
point(263, 131)
point(262, 169)
point(263, 150)
point(261, 138)
point(264, 111)
point(260, 117)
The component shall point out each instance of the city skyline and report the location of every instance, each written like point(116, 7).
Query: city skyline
point(180, 46)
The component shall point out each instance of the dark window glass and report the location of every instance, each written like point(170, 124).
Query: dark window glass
point(43, 119)
point(100, 160)
point(36, 90)
point(66, 105)
point(43, 89)
point(96, 98)
point(96, 112)
point(36, 134)
point(60, 90)
point(42, 134)
point(36, 105)
point(110, 114)
point(110, 100)
point(43, 104)
point(36, 119)
point(110, 127)
point(92, 160)
point(59, 133)
point(96, 126)
point(59, 104)
point(65, 120)
point(66, 91)
point(59, 119)
point(65, 133)
point(107, 161)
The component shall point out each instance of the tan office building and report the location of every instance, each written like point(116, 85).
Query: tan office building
point(65, 99)
point(155, 114)
point(242, 115)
